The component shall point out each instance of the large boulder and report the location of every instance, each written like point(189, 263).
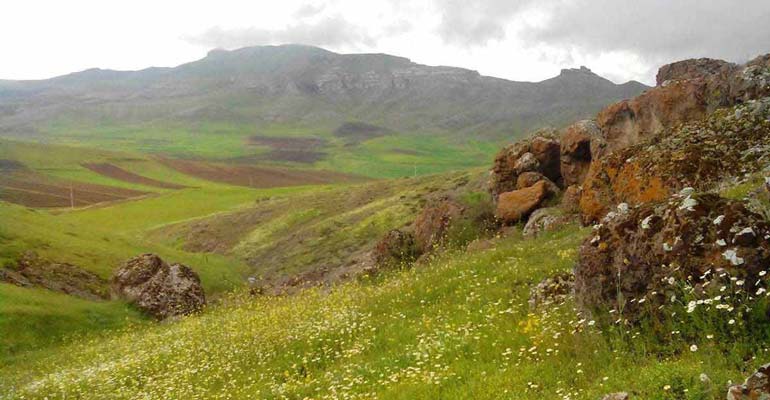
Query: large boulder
point(580, 142)
point(396, 248)
point(637, 252)
point(516, 205)
point(546, 150)
point(157, 288)
point(692, 69)
point(539, 154)
point(729, 143)
point(432, 224)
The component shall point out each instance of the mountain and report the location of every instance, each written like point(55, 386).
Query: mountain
point(306, 86)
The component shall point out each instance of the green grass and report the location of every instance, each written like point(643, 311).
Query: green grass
point(457, 328)
point(397, 155)
point(35, 319)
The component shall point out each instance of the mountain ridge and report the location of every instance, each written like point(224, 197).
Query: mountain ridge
point(314, 87)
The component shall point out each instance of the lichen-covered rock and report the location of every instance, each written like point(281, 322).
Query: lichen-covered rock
point(516, 205)
point(729, 143)
point(545, 220)
point(553, 290)
point(157, 288)
point(637, 251)
point(431, 225)
point(546, 150)
point(756, 386)
point(692, 69)
point(540, 154)
point(687, 91)
point(616, 396)
point(570, 200)
point(528, 179)
point(396, 248)
point(580, 142)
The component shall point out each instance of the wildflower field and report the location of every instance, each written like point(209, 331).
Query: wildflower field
point(456, 328)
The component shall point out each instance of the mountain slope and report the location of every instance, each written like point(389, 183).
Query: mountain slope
point(306, 86)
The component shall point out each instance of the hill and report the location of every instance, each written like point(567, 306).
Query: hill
point(211, 107)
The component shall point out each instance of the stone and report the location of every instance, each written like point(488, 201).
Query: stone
point(396, 248)
point(756, 386)
point(681, 238)
point(526, 163)
point(616, 396)
point(539, 154)
point(691, 69)
point(431, 225)
point(580, 142)
point(726, 145)
point(545, 220)
point(547, 152)
point(570, 200)
point(528, 179)
point(157, 288)
point(553, 290)
point(516, 205)
point(687, 91)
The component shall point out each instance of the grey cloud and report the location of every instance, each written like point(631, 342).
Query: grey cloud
point(309, 10)
point(659, 30)
point(329, 31)
point(475, 23)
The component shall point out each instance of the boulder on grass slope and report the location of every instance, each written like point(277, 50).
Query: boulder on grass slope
point(540, 155)
point(516, 205)
point(157, 288)
point(580, 143)
point(432, 224)
point(396, 248)
point(638, 252)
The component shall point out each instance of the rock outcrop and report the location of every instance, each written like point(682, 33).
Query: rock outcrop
point(687, 91)
point(431, 225)
point(580, 143)
point(33, 271)
point(157, 288)
point(516, 205)
point(638, 251)
point(538, 155)
point(396, 248)
point(729, 143)
point(756, 387)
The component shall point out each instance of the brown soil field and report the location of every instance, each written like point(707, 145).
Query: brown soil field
point(115, 172)
point(359, 131)
point(258, 177)
point(11, 165)
point(290, 143)
point(302, 150)
point(35, 190)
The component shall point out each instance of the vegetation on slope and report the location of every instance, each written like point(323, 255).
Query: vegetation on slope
point(459, 328)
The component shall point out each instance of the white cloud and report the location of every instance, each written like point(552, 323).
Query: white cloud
point(514, 39)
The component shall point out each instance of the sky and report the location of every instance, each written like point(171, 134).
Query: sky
point(524, 40)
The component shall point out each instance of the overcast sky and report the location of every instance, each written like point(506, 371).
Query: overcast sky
point(514, 39)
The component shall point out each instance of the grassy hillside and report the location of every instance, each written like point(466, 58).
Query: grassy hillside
point(458, 327)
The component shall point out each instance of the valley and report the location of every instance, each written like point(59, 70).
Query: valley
point(365, 227)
